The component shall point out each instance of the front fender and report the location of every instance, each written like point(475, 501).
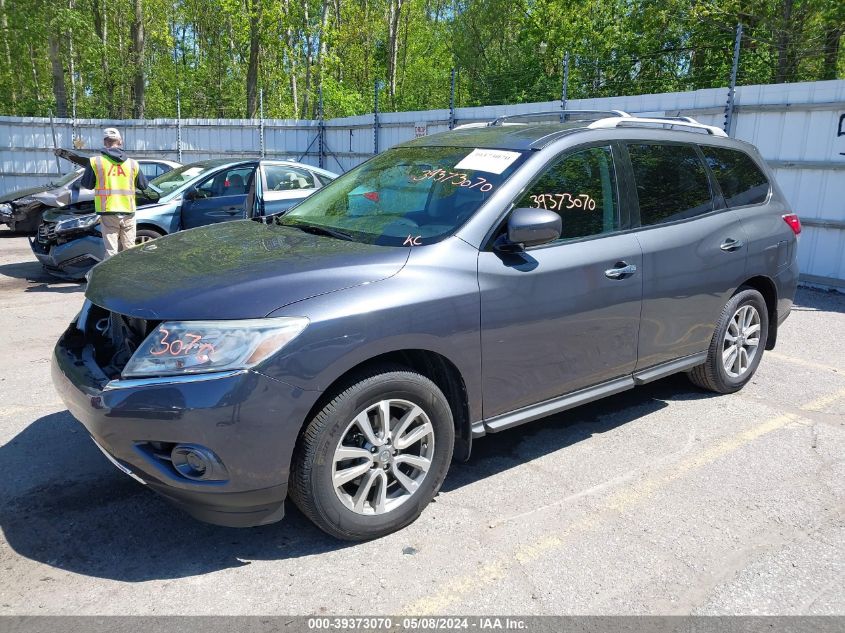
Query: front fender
point(163, 217)
point(409, 311)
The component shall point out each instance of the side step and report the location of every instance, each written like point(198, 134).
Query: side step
point(584, 396)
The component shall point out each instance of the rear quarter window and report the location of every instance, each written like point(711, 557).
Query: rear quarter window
point(742, 182)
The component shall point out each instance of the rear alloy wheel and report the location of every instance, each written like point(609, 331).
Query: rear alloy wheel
point(374, 457)
point(737, 345)
point(741, 341)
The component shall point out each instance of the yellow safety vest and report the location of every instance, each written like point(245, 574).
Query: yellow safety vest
point(114, 191)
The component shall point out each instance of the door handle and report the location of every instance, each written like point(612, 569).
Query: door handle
point(730, 245)
point(621, 271)
point(233, 210)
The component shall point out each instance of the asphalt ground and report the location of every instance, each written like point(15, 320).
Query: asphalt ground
point(661, 500)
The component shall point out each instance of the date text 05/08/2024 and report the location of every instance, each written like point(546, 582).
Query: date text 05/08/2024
point(480, 623)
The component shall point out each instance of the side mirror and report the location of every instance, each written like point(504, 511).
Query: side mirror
point(530, 227)
point(191, 194)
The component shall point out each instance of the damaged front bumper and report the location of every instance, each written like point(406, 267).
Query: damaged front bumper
point(244, 421)
point(70, 259)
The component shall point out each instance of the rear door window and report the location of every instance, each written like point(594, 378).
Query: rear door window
point(671, 181)
point(322, 179)
point(149, 170)
point(742, 182)
point(283, 178)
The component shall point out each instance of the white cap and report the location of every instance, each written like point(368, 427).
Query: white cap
point(112, 134)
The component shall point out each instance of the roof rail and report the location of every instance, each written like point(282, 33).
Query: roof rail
point(566, 114)
point(665, 121)
point(464, 126)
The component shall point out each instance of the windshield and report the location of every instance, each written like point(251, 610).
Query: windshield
point(67, 178)
point(174, 179)
point(407, 195)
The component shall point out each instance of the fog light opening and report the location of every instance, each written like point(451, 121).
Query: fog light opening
point(197, 463)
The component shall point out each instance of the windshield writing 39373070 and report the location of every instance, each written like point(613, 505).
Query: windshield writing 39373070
point(406, 196)
point(454, 178)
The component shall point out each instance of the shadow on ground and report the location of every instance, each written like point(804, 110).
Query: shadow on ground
point(37, 279)
point(64, 505)
point(498, 452)
point(815, 300)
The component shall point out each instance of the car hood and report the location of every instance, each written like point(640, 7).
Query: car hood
point(57, 215)
point(23, 193)
point(61, 196)
point(235, 270)
point(143, 211)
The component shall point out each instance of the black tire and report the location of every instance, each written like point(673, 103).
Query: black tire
point(145, 235)
point(311, 486)
point(712, 375)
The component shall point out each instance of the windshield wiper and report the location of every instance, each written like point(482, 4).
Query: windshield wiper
point(320, 230)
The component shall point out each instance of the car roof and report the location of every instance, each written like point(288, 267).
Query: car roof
point(289, 162)
point(513, 136)
point(163, 161)
point(227, 162)
point(507, 134)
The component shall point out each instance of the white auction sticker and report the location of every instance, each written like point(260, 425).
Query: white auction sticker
point(494, 161)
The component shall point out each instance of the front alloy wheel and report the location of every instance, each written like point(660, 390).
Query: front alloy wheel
point(375, 455)
point(383, 457)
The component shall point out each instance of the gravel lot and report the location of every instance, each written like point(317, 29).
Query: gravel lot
point(662, 500)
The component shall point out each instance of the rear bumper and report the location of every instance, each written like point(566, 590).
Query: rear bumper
point(786, 284)
point(248, 420)
point(72, 259)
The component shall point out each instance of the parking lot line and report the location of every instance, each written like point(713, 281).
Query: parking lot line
point(458, 588)
point(803, 362)
point(824, 401)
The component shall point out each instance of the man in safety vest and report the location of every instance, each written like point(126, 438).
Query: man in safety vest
point(114, 177)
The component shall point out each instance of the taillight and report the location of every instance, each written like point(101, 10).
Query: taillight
point(794, 222)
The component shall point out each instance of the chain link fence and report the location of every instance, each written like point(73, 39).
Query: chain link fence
point(799, 129)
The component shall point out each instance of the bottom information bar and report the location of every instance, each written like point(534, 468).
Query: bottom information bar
point(374, 624)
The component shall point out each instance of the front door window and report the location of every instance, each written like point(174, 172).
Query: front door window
point(581, 188)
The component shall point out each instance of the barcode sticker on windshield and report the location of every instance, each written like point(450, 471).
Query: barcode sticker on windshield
point(494, 161)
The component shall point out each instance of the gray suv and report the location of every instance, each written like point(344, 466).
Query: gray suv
point(456, 285)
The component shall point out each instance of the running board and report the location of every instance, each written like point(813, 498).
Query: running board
point(584, 396)
point(667, 369)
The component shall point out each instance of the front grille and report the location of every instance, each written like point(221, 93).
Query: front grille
point(114, 337)
point(47, 232)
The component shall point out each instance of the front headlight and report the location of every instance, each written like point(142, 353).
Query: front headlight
point(5, 209)
point(192, 347)
point(77, 224)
